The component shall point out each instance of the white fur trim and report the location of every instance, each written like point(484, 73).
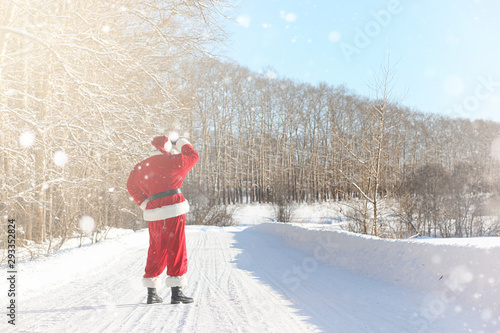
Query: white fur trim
point(181, 142)
point(176, 281)
point(154, 282)
point(168, 145)
point(166, 212)
point(144, 204)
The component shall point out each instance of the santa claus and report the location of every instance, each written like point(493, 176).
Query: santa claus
point(155, 185)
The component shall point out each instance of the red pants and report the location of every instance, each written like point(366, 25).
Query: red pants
point(167, 247)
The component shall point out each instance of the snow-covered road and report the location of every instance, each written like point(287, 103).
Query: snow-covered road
point(242, 281)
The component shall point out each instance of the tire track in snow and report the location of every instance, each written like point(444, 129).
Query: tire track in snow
point(236, 278)
point(109, 297)
point(214, 275)
point(241, 302)
point(210, 262)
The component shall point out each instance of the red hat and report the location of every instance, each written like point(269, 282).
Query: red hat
point(163, 144)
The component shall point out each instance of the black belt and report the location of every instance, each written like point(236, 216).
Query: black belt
point(164, 194)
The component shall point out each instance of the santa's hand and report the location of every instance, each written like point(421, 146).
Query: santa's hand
point(181, 142)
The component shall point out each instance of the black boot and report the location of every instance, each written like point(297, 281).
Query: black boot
point(179, 297)
point(153, 296)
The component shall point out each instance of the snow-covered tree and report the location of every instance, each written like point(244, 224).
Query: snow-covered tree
point(83, 85)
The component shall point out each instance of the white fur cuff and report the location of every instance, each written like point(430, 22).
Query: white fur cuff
point(153, 282)
point(181, 142)
point(168, 145)
point(176, 281)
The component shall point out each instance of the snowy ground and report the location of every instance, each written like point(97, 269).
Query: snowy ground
point(266, 278)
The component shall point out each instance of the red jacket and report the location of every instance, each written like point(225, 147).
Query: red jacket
point(159, 173)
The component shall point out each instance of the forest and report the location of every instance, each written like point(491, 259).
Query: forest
point(84, 86)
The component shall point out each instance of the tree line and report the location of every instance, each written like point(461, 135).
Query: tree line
point(268, 139)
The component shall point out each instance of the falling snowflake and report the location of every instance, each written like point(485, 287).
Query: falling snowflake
point(106, 29)
point(244, 20)
point(11, 92)
point(271, 75)
point(334, 36)
point(173, 135)
point(27, 139)
point(459, 277)
point(87, 224)
point(289, 17)
point(60, 158)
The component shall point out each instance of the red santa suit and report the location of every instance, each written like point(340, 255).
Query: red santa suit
point(158, 174)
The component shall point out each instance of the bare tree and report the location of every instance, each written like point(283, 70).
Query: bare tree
point(368, 150)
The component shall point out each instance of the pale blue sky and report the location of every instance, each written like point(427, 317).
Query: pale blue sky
point(446, 53)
